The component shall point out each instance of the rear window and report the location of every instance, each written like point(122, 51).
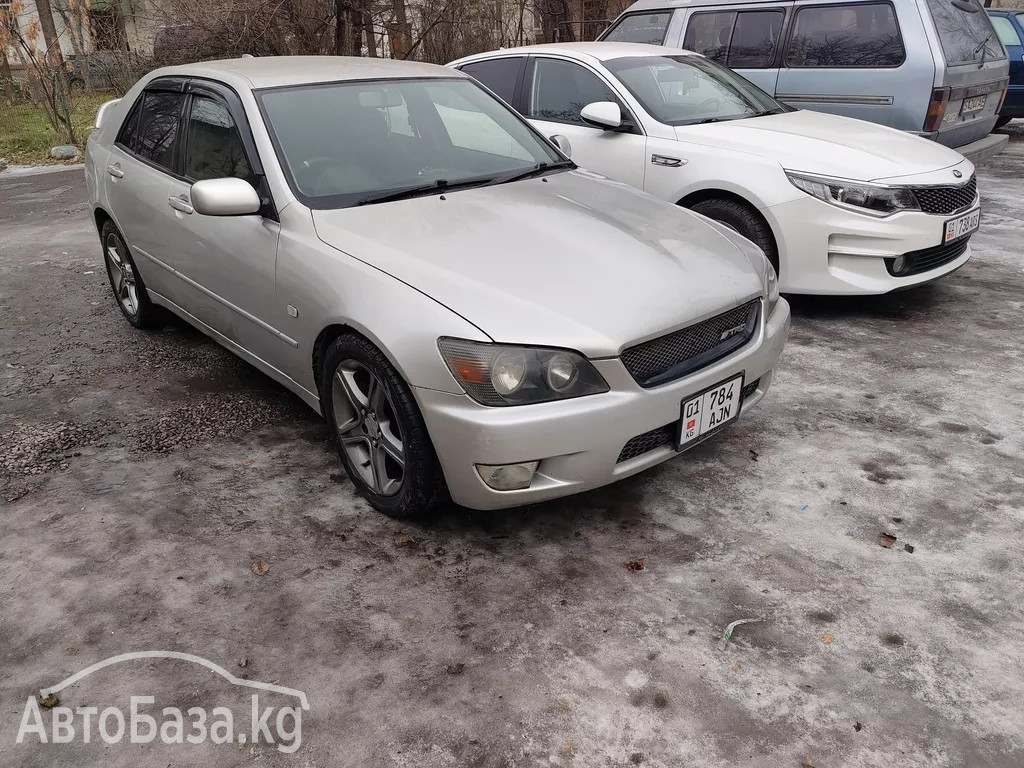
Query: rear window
point(966, 36)
point(1006, 31)
point(856, 35)
point(640, 28)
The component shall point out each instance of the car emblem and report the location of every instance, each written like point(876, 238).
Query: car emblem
point(728, 333)
point(957, 174)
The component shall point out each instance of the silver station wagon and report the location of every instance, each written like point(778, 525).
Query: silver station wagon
point(473, 315)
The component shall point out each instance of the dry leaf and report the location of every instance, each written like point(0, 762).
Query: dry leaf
point(402, 539)
point(639, 564)
point(827, 638)
point(49, 702)
point(260, 568)
point(886, 539)
point(735, 667)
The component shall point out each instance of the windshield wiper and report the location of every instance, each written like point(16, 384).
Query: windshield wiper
point(983, 47)
point(536, 170)
point(441, 185)
point(763, 113)
point(704, 120)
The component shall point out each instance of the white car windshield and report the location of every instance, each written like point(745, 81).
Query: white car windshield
point(354, 143)
point(684, 90)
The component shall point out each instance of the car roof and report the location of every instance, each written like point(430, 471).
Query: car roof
point(275, 71)
point(595, 51)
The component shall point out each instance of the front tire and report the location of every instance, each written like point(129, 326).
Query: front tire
point(125, 280)
point(1002, 121)
point(744, 220)
point(378, 431)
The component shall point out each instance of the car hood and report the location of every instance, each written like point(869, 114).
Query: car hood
point(572, 260)
point(827, 145)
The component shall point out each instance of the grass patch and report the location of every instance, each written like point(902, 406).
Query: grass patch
point(26, 137)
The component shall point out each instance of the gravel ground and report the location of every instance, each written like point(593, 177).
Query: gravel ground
point(144, 474)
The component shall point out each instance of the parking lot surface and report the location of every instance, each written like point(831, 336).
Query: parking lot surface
point(142, 475)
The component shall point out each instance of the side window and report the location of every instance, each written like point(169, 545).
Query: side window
point(755, 39)
point(470, 128)
point(562, 89)
point(708, 34)
point(130, 128)
point(861, 35)
point(500, 75)
point(640, 28)
point(213, 148)
point(1004, 28)
point(158, 127)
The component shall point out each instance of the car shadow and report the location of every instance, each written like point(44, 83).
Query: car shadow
point(911, 303)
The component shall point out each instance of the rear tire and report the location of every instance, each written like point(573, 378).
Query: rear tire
point(1002, 121)
point(742, 219)
point(378, 431)
point(125, 281)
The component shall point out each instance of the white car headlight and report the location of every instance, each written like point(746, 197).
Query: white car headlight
point(771, 289)
point(498, 374)
point(861, 197)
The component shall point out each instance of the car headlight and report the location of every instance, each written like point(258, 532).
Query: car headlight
point(864, 198)
point(499, 374)
point(771, 289)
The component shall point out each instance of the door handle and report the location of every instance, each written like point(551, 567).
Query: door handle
point(115, 171)
point(180, 203)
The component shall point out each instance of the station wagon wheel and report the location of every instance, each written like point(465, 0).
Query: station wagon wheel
point(370, 433)
point(378, 429)
point(125, 281)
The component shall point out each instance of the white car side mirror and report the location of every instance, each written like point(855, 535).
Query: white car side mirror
point(602, 114)
point(224, 197)
point(562, 142)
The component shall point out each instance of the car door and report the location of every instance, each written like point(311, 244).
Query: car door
point(554, 92)
point(138, 176)
point(1010, 37)
point(852, 59)
point(745, 38)
point(227, 263)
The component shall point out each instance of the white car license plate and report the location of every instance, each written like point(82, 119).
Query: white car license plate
point(973, 105)
point(962, 225)
point(709, 411)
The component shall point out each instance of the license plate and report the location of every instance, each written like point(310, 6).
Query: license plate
point(973, 105)
point(706, 413)
point(962, 225)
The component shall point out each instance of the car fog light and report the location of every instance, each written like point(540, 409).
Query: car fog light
point(508, 372)
point(899, 264)
point(508, 477)
point(562, 373)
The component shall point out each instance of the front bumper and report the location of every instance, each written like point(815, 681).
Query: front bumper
point(825, 249)
point(578, 442)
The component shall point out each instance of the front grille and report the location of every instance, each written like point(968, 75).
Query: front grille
point(666, 435)
point(676, 354)
point(946, 200)
point(917, 262)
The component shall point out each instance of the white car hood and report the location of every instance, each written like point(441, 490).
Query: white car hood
point(827, 145)
point(572, 261)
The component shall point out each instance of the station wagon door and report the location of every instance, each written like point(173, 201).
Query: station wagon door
point(852, 59)
point(746, 38)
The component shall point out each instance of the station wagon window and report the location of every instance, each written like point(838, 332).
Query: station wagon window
point(640, 28)
point(965, 37)
point(561, 89)
point(500, 75)
point(742, 40)
point(213, 148)
point(855, 35)
point(1006, 31)
point(158, 127)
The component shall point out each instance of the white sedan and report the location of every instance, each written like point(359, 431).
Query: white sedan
point(840, 206)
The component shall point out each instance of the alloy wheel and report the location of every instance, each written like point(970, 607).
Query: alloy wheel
point(368, 428)
point(121, 275)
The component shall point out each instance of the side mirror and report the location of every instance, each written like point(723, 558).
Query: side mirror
point(602, 114)
point(562, 142)
point(225, 197)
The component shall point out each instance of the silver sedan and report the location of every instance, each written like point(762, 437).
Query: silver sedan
point(474, 316)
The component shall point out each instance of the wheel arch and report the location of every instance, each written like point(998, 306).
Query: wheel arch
point(712, 193)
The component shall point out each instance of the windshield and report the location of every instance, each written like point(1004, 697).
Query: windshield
point(683, 90)
point(351, 143)
point(966, 37)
